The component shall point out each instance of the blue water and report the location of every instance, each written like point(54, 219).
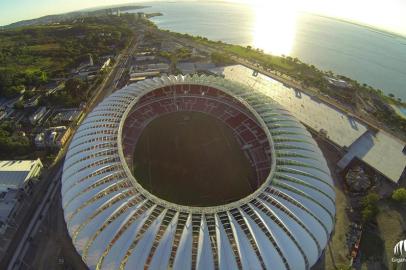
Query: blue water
point(403, 110)
point(368, 56)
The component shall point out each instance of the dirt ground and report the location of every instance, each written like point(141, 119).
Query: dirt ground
point(194, 159)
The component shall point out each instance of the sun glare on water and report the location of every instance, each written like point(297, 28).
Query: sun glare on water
point(275, 26)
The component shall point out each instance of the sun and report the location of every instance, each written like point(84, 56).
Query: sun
point(275, 26)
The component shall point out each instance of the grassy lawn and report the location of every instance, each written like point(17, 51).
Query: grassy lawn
point(44, 47)
point(184, 164)
point(337, 251)
point(264, 58)
point(335, 256)
point(391, 222)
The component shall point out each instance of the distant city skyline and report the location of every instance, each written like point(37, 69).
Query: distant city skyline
point(387, 15)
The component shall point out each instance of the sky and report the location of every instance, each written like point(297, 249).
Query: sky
point(384, 14)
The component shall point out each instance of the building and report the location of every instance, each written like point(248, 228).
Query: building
point(338, 82)
point(15, 176)
point(8, 203)
point(53, 88)
point(57, 136)
point(190, 67)
point(170, 46)
point(161, 67)
point(54, 137)
point(137, 76)
point(39, 140)
point(106, 64)
point(37, 115)
point(354, 137)
point(117, 223)
point(32, 102)
point(66, 116)
point(144, 57)
point(63, 137)
point(86, 64)
point(11, 103)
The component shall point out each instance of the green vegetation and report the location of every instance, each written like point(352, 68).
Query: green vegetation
point(221, 59)
point(33, 56)
point(12, 143)
point(14, 81)
point(266, 60)
point(372, 245)
point(399, 195)
point(391, 227)
point(379, 238)
point(30, 56)
point(204, 144)
point(178, 55)
point(74, 92)
point(369, 207)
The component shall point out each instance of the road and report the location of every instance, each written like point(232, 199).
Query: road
point(24, 235)
point(36, 220)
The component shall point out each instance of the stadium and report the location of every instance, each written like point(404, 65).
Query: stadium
point(196, 172)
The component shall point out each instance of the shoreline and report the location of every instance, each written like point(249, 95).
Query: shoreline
point(210, 47)
point(387, 86)
point(398, 111)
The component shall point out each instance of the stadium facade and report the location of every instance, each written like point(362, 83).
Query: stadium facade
point(115, 223)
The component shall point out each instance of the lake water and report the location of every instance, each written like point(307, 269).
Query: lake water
point(366, 55)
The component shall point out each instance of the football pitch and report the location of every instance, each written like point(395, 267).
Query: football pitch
point(193, 159)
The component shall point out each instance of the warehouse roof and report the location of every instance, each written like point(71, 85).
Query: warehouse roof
point(14, 173)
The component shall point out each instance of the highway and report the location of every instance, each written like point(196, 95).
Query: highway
point(36, 220)
point(53, 183)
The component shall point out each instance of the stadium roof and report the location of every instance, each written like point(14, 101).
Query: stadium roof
point(116, 224)
point(14, 173)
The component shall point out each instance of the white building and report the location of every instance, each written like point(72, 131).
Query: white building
point(15, 174)
point(14, 177)
point(337, 82)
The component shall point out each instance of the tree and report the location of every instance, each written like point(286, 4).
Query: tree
point(76, 88)
point(19, 105)
point(369, 207)
point(12, 144)
point(399, 195)
point(221, 59)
